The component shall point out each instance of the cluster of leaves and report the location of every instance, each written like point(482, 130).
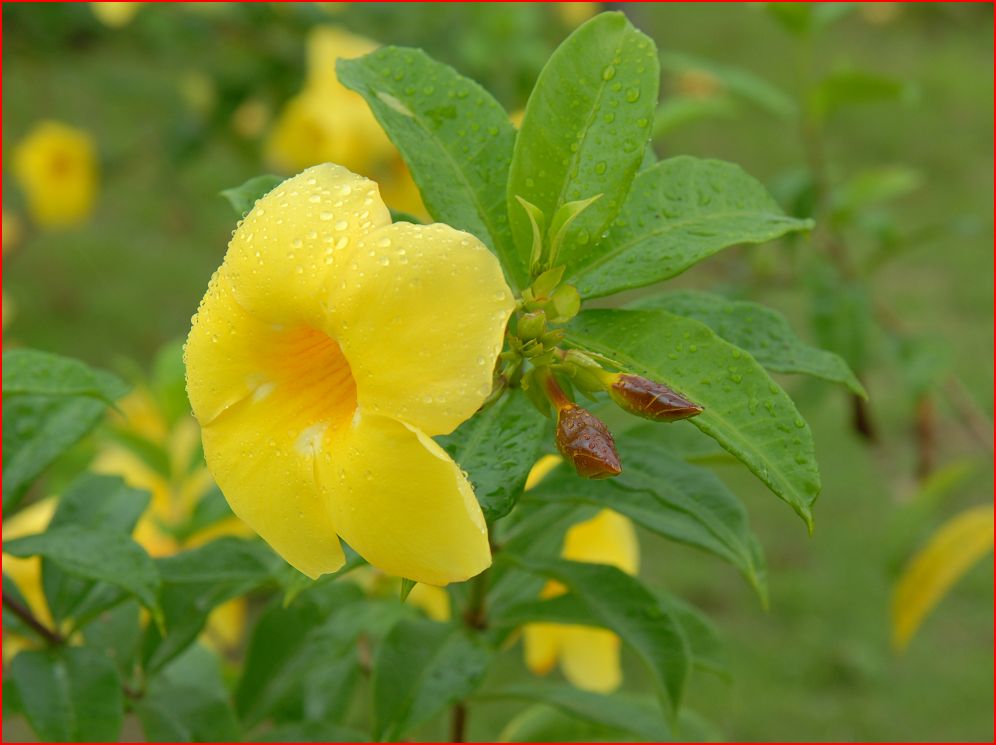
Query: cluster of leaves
point(586, 132)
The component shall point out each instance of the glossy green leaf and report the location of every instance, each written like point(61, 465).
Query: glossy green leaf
point(497, 447)
point(32, 372)
point(243, 197)
point(455, 138)
point(70, 694)
point(668, 496)
point(585, 128)
point(745, 410)
point(195, 582)
point(678, 213)
point(704, 639)
point(98, 502)
point(761, 331)
point(189, 702)
point(621, 603)
point(95, 553)
point(421, 668)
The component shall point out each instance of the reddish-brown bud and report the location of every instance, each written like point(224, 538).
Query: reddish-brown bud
point(586, 442)
point(651, 400)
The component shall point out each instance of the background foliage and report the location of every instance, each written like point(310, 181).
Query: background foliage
point(819, 661)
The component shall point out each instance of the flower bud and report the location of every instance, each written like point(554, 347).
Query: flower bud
point(531, 325)
point(650, 400)
point(585, 441)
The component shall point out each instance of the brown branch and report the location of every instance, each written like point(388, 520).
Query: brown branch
point(24, 613)
point(458, 723)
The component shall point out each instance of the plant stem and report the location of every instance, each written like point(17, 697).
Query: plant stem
point(458, 722)
point(20, 610)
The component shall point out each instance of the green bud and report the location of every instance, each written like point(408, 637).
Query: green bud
point(562, 220)
point(538, 222)
point(531, 325)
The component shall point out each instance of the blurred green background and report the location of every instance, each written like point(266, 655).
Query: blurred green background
point(158, 96)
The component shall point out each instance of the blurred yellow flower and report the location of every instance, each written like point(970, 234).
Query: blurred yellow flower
point(250, 118)
point(26, 573)
point(115, 15)
point(12, 230)
point(574, 14)
point(56, 166)
point(431, 600)
point(328, 123)
point(174, 497)
point(331, 346)
point(589, 657)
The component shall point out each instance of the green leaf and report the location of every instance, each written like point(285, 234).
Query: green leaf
point(854, 87)
point(668, 496)
point(497, 447)
point(97, 502)
point(31, 372)
point(618, 711)
point(679, 111)
point(455, 138)
point(678, 213)
point(621, 603)
point(243, 197)
point(117, 633)
point(841, 316)
point(762, 332)
point(188, 702)
point(421, 668)
point(195, 582)
point(313, 732)
point(95, 553)
point(301, 660)
point(71, 694)
point(585, 128)
point(703, 637)
point(873, 186)
point(736, 80)
point(745, 410)
point(805, 18)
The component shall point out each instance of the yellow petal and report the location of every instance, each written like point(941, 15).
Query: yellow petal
point(607, 538)
point(402, 503)
point(950, 552)
point(56, 166)
point(540, 470)
point(541, 642)
point(26, 573)
point(225, 625)
point(589, 658)
point(435, 601)
point(283, 253)
point(116, 14)
point(265, 397)
point(421, 317)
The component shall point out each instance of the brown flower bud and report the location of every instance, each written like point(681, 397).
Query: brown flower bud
point(585, 441)
point(650, 400)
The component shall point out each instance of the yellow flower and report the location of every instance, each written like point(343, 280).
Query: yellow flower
point(173, 498)
point(56, 166)
point(328, 123)
point(330, 348)
point(589, 657)
point(115, 15)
